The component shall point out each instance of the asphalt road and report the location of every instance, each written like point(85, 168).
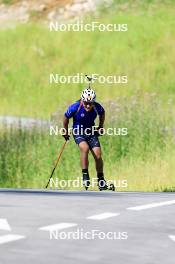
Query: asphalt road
point(86, 227)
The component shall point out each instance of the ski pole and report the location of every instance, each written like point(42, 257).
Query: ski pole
point(90, 79)
point(59, 156)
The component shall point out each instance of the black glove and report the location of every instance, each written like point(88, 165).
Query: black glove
point(66, 137)
point(100, 131)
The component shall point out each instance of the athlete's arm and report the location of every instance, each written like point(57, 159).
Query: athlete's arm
point(66, 124)
point(67, 115)
point(101, 120)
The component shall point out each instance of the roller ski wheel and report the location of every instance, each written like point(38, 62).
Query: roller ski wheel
point(105, 187)
point(111, 187)
point(86, 185)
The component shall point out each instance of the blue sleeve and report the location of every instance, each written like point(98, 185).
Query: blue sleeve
point(100, 109)
point(72, 109)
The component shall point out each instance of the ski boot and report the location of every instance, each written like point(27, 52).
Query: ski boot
point(86, 179)
point(102, 184)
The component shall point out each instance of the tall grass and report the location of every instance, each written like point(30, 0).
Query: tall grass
point(144, 157)
point(145, 53)
point(145, 105)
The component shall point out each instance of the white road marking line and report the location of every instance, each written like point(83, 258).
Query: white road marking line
point(10, 238)
point(152, 205)
point(57, 226)
point(4, 225)
point(102, 216)
point(172, 237)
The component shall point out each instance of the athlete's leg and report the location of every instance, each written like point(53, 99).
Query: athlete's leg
point(96, 152)
point(84, 151)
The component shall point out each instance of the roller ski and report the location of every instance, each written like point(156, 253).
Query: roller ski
point(103, 186)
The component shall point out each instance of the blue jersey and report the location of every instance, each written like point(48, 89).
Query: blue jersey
point(81, 117)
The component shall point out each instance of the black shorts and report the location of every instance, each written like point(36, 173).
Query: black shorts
point(92, 141)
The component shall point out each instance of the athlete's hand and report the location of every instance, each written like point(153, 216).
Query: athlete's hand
point(100, 131)
point(66, 137)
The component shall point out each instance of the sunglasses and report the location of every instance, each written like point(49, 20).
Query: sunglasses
point(88, 103)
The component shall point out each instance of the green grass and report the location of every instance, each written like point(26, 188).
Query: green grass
point(145, 157)
point(7, 2)
point(30, 53)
